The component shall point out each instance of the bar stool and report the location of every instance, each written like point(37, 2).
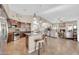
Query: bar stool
point(40, 43)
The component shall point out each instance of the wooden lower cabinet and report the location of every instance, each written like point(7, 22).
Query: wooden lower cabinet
point(10, 37)
point(22, 34)
point(27, 39)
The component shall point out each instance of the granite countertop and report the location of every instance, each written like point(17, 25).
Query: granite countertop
point(32, 34)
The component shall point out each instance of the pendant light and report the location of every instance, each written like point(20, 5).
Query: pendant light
point(34, 16)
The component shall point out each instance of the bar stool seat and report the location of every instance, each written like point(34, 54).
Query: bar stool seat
point(39, 40)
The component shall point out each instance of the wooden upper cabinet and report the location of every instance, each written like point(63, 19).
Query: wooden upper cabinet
point(18, 24)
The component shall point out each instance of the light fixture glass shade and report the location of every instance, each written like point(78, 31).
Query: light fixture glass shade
point(75, 27)
point(70, 27)
point(34, 17)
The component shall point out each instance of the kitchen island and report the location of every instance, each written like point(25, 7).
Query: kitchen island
point(31, 42)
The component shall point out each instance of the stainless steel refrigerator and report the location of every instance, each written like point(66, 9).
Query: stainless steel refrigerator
point(3, 34)
point(3, 31)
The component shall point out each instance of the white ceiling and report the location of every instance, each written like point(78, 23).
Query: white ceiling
point(51, 12)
